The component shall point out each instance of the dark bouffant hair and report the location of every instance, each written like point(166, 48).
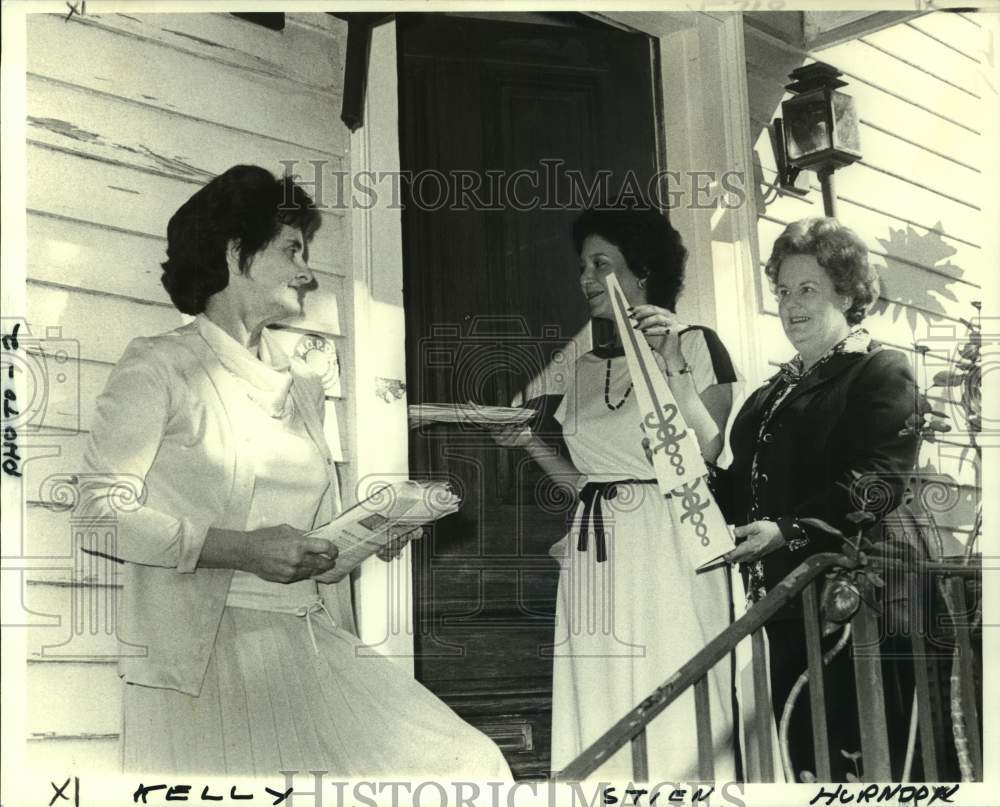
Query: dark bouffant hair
point(841, 253)
point(246, 204)
point(652, 248)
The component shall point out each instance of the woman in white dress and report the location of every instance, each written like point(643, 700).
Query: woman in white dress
point(236, 660)
point(630, 608)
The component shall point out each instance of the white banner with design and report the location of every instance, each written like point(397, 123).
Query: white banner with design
point(670, 444)
point(680, 472)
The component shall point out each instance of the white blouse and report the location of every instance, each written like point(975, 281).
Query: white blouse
point(289, 474)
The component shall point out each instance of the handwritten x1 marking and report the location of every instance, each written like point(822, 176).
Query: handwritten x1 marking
point(61, 791)
point(79, 7)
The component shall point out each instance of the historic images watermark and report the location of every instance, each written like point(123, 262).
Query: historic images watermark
point(468, 793)
point(550, 185)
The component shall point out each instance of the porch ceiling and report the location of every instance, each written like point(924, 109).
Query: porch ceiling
point(814, 30)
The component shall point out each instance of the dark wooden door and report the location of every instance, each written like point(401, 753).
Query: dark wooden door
point(491, 291)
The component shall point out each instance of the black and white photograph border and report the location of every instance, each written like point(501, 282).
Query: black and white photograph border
point(448, 174)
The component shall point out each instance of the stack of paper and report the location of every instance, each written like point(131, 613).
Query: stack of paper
point(471, 413)
point(358, 533)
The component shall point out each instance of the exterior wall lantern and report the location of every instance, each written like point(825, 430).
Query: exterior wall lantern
point(818, 130)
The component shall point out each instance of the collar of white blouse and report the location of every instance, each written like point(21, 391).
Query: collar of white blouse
point(266, 380)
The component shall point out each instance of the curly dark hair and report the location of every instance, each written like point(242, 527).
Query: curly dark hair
point(841, 253)
point(652, 248)
point(246, 204)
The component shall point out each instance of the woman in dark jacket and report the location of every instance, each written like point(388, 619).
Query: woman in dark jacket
point(821, 439)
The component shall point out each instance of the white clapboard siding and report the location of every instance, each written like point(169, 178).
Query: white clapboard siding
point(878, 216)
point(300, 53)
point(48, 457)
point(936, 132)
point(67, 117)
point(952, 30)
point(862, 62)
point(934, 58)
point(86, 631)
point(879, 192)
point(89, 753)
point(48, 533)
point(895, 155)
point(883, 193)
point(884, 215)
point(55, 702)
point(184, 83)
point(70, 397)
point(942, 250)
point(118, 196)
point(102, 325)
point(75, 253)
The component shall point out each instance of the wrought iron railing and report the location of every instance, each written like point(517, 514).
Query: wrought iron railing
point(631, 728)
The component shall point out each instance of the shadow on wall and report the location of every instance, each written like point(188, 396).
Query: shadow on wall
point(922, 293)
point(922, 285)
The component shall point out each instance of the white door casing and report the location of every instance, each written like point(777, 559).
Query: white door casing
point(384, 592)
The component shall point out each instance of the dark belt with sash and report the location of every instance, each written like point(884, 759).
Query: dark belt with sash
point(591, 496)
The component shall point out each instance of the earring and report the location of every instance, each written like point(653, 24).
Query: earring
point(642, 283)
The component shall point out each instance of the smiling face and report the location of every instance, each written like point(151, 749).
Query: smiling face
point(811, 310)
point(598, 259)
point(276, 279)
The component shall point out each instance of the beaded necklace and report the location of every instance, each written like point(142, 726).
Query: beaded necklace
point(607, 390)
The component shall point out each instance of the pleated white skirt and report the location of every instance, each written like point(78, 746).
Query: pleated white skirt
point(273, 702)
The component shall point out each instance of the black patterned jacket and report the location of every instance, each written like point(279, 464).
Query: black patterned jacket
point(831, 447)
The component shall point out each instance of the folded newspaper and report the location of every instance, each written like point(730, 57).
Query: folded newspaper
point(361, 531)
point(475, 414)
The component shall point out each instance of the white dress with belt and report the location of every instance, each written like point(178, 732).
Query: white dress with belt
point(287, 688)
point(632, 611)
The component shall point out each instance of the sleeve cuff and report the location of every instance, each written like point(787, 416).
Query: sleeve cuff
point(191, 535)
point(795, 536)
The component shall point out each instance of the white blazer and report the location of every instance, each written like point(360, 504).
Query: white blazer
point(163, 466)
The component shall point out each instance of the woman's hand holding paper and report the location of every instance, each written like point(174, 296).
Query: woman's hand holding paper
point(392, 550)
point(284, 554)
point(513, 435)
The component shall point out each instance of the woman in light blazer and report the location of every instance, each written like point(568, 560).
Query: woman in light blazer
point(239, 661)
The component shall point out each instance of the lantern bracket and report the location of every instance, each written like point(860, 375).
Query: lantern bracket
point(788, 175)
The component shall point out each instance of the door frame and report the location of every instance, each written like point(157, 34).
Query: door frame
point(383, 591)
point(706, 114)
point(701, 89)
